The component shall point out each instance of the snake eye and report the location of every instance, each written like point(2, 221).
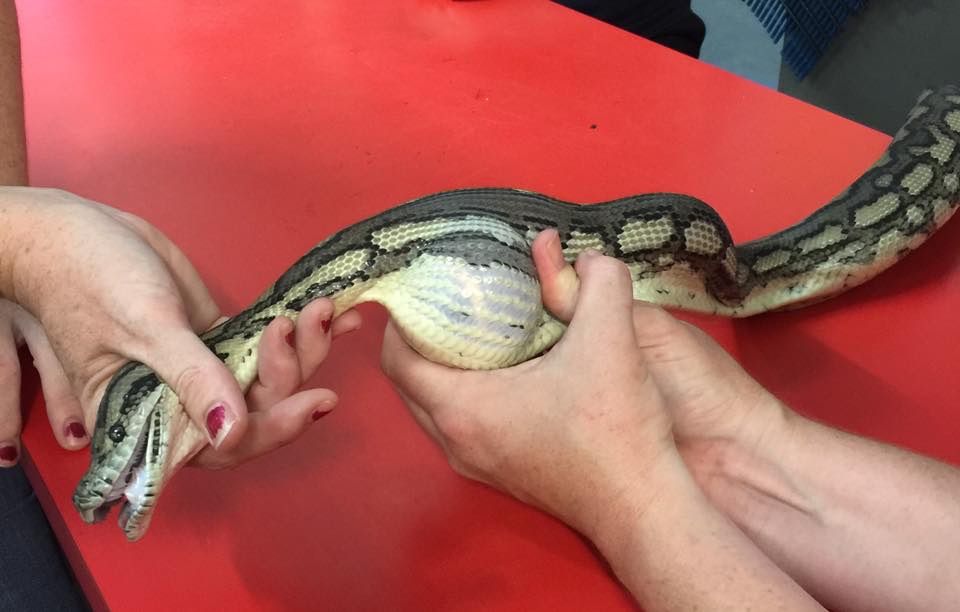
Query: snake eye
point(117, 433)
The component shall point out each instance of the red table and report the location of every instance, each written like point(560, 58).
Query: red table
point(248, 131)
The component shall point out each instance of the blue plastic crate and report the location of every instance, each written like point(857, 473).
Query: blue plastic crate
point(806, 27)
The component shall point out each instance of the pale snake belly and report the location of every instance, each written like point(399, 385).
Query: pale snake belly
point(455, 271)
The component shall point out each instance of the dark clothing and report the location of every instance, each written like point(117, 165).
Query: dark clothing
point(668, 22)
point(33, 572)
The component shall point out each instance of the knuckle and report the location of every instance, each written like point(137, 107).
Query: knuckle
point(659, 317)
point(216, 461)
point(136, 222)
point(188, 381)
point(140, 226)
point(614, 268)
point(605, 270)
point(655, 321)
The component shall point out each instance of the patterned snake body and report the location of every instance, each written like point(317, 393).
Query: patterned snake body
point(455, 271)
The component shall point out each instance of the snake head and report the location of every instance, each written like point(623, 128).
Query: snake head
point(135, 449)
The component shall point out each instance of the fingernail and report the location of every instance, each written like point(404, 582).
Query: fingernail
point(291, 340)
point(325, 324)
point(556, 253)
point(318, 414)
point(76, 430)
point(589, 254)
point(219, 422)
point(8, 453)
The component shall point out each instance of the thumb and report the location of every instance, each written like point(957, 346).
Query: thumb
point(415, 376)
point(558, 280)
point(207, 390)
point(604, 306)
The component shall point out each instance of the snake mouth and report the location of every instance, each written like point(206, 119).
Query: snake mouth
point(137, 503)
point(130, 490)
point(136, 488)
point(158, 443)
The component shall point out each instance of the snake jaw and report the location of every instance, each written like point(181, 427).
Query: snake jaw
point(170, 441)
point(137, 506)
point(145, 479)
point(115, 486)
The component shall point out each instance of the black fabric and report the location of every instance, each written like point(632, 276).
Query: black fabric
point(671, 23)
point(33, 572)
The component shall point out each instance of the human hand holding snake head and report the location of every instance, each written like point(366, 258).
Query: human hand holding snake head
point(97, 288)
point(455, 272)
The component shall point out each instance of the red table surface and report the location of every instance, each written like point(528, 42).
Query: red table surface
point(248, 131)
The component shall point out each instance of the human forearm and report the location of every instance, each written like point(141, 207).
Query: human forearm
point(861, 525)
point(13, 155)
point(13, 158)
point(677, 552)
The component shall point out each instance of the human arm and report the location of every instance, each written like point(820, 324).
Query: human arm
point(17, 327)
point(583, 434)
point(13, 158)
point(859, 524)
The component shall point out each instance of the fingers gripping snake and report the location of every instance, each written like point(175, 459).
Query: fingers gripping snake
point(455, 271)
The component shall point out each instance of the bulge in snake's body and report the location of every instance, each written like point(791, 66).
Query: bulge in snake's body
point(455, 271)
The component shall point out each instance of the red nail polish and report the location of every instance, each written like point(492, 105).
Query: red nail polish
point(325, 324)
point(317, 415)
point(8, 453)
point(291, 340)
point(215, 419)
point(76, 430)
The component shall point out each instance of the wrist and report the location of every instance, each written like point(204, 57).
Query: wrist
point(12, 238)
point(757, 434)
point(622, 519)
point(32, 223)
point(752, 473)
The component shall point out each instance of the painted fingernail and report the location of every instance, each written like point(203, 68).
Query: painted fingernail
point(291, 340)
point(318, 414)
point(219, 422)
point(76, 430)
point(325, 324)
point(8, 453)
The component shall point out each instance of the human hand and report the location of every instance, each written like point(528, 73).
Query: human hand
point(278, 411)
point(18, 327)
point(134, 296)
point(711, 399)
point(575, 432)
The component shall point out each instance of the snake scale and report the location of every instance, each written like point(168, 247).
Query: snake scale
point(455, 271)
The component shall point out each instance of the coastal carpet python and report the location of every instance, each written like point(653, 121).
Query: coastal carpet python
point(455, 271)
